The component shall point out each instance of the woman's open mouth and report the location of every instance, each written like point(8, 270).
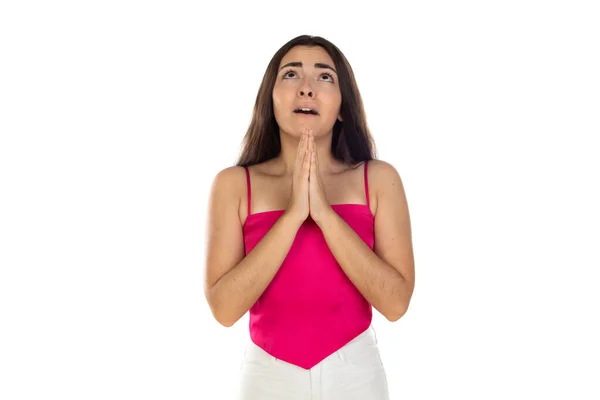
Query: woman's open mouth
point(306, 112)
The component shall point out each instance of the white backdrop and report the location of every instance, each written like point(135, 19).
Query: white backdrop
point(116, 115)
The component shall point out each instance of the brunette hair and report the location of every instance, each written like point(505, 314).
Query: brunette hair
point(351, 142)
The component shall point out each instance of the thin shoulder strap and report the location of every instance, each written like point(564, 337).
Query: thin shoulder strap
point(248, 188)
point(367, 183)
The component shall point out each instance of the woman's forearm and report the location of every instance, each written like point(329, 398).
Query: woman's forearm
point(237, 291)
point(381, 285)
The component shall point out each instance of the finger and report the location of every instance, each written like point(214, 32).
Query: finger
point(301, 150)
point(315, 164)
point(308, 136)
point(306, 166)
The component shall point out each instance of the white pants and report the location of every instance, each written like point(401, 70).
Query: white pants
point(354, 372)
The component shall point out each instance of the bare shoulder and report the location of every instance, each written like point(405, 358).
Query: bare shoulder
point(381, 166)
point(228, 186)
point(383, 174)
point(229, 181)
point(230, 174)
point(386, 182)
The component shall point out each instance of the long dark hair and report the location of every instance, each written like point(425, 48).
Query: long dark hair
point(351, 142)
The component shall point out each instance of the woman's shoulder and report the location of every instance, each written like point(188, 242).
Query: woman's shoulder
point(384, 179)
point(380, 166)
point(228, 183)
point(229, 175)
point(234, 178)
point(381, 173)
point(376, 167)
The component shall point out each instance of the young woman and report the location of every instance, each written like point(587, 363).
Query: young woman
point(308, 232)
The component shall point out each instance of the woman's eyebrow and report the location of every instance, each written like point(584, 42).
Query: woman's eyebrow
point(299, 64)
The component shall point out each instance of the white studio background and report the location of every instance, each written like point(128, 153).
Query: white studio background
point(116, 115)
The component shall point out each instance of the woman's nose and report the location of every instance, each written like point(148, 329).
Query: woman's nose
point(305, 88)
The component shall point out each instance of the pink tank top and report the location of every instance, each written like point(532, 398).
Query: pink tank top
point(310, 309)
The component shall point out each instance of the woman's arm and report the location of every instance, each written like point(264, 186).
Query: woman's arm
point(385, 276)
point(233, 282)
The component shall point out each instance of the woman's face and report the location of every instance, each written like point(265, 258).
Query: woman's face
point(310, 81)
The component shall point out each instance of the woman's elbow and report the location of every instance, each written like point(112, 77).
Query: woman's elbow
point(220, 314)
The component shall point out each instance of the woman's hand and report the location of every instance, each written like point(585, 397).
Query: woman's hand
point(319, 206)
point(298, 206)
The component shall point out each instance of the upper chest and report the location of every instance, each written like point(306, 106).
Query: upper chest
point(269, 192)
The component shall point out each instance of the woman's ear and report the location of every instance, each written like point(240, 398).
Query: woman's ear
point(340, 118)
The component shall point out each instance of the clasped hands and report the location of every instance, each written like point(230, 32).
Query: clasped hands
point(308, 193)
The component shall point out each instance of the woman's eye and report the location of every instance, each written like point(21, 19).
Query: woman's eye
point(286, 75)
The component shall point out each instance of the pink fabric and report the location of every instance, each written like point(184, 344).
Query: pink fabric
point(310, 309)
